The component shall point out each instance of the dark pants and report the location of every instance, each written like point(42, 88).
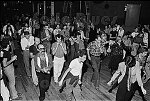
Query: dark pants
point(114, 62)
point(135, 87)
point(96, 64)
point(44, 82)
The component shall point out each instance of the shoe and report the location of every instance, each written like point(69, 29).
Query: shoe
point(110, 91)
point(41, 98)
point(60, 90)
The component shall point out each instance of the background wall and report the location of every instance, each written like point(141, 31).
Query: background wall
point(116, 8)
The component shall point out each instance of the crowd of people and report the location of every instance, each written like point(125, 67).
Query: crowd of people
point(67, 47)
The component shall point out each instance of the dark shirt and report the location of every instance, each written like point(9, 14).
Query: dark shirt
point(116, 49)
point(138, 39)
point(128, 50)
point(33, 49)
point(113, 34)
point(7, 55)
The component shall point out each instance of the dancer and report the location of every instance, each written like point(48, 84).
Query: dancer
point(58, 50)
point(72, 77)
point(26, 42)
point(9, 71)
point(129, 79)
point(95, 50)
point(43, 65)
point(33, 51)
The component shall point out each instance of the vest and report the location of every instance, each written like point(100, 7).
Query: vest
point(39, 60)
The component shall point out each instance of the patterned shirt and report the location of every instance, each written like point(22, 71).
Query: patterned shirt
point(95, 49)
point(116, 49)
point(43, 63)
point(65, 34)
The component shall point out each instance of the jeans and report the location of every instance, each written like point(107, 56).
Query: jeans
point(44, 82)
point(76, 90)
point(96, 64)
point(9, 72)
point(26, 57)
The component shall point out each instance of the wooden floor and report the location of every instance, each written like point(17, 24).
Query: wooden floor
point(30, 92)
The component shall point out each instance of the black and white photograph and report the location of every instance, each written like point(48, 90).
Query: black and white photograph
point(74, 50)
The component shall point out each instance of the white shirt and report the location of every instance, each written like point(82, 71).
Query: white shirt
point(9, 33)
point(4, 28)
point(47, 32)
point(76, 67)
point(25, 42)
point(134, 34)
point(56, 31)
point(82, 35)
point(121, 33)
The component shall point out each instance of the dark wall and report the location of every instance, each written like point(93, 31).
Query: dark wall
point(116, 8)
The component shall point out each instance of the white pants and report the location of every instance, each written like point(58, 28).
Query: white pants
point(34, 76)
point(4, 91)
point(9, 71)
point(58, 66)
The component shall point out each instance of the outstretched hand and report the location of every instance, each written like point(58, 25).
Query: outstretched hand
point(109, 83)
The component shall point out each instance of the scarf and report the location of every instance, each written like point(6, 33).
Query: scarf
point(39, 62)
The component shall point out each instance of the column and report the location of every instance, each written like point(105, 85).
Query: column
point(52, 9)
point(44, 8)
